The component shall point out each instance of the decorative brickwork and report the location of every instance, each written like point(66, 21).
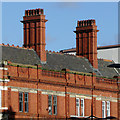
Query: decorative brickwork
point(86, 40)
point(34, 31)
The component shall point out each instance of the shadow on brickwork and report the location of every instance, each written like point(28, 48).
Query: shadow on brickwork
point(64, 119)
point(8, 114)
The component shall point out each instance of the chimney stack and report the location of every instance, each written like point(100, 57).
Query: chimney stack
point(86, 41)
point(34, 31)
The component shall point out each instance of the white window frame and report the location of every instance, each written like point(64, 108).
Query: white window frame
point(77, 106)
point(108, 108)
point(83, 107)
point(103, 109)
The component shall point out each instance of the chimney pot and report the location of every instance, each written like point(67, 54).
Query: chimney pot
point(25, 12)
point(37, 11)
point(28, 12)
point(85, 22)
point(33, 11)
point(42, 12)
point(78, 23)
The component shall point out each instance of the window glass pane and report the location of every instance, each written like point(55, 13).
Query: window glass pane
point(77, 107)
point(108, 108)
point(20, 107)
point(26, 102)
point(55, 104)
point(50, 104)
point(82, 107)
point(20, 96)
point(21, 102)
point(103, 109)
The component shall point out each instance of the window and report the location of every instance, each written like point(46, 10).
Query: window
point(103, 109)
point(55, 105)
point(26, 102)
point(108, 108)
point(50, 104)
point(82, 107)
point(21, 102)
point(77, 107)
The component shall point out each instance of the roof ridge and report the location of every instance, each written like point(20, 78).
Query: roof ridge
point(105, 60)
point(60, 53)
point(49, 51)
point(8, 45)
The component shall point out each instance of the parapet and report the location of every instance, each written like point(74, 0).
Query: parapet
point(34, 12)
point(85, 23)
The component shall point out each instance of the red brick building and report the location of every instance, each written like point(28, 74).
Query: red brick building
point(36, 83)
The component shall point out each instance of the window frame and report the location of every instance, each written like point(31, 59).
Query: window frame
point(50, 104)
point(77, 106)
point(20, 102)
point(55, 104)
point(108, 108)
point(103, 110)
point(26, 102)
point(82, 107)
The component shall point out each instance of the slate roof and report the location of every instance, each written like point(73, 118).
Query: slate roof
point(106, 71)
point(60, 61)
point(20, 55)
point(57, 61)
point(80, 64)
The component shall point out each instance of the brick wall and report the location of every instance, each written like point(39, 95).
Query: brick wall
point(66, 86)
